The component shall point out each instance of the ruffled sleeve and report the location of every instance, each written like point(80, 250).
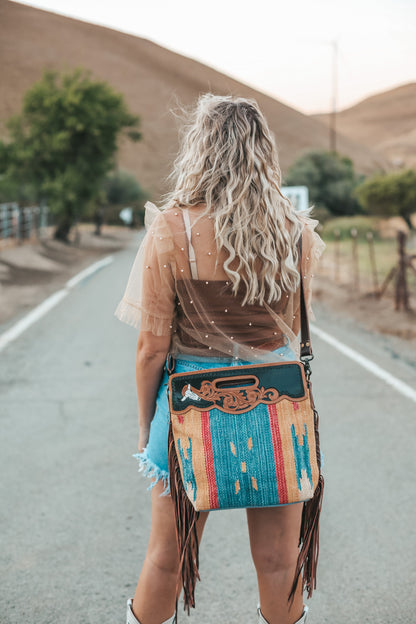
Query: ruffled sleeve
point(312, 249)
point(149, 298)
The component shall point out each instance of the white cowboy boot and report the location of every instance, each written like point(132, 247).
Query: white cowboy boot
point(301, 621)
point(131, 618)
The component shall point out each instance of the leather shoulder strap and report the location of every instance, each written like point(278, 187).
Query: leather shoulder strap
point(305, 337)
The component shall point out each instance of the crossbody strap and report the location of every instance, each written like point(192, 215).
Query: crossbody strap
point(191, 250)
point(305, 337)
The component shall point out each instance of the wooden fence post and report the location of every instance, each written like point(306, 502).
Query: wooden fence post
point(355, 264)
point(370, 239)
point(402, 291)
point(337, 235)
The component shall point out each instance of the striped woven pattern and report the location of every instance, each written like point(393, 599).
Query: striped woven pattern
point(263, 457)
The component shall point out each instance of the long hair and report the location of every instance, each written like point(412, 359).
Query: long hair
point(228, 161)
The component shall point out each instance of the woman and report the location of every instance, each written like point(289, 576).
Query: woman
point(216, 283)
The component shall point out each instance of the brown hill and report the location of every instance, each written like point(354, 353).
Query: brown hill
point(385, 122)
point(152, 78)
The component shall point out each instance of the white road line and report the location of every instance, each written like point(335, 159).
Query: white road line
point(369, 365)
point(34, 315)
point(89, 271)
point(43, 308)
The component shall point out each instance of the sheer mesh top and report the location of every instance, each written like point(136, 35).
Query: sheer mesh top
point(177, 286)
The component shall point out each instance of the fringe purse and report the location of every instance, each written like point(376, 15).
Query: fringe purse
point(245, 436)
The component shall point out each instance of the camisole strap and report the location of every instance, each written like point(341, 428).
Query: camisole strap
point(191, 250)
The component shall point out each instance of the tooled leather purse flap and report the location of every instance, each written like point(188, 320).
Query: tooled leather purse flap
point(237, 390)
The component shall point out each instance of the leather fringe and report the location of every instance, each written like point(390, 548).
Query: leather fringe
point(187, 538)
point(309, 532)
point(186, 531)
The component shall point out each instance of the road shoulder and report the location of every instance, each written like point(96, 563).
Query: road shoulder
point(31, 272)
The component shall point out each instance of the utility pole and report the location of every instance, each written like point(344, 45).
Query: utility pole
point(333, 114)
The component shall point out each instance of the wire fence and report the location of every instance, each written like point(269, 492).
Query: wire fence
point(18, 224)
point(363, 264)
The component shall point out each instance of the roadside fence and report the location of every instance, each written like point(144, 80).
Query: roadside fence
point(367, 266)
point(19, 223)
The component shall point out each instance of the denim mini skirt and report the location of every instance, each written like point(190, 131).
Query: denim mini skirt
point(153, 460)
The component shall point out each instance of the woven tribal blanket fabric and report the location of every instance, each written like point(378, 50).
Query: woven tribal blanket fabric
point(261, 454)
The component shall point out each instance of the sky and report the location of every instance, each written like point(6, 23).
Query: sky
point(285, 49)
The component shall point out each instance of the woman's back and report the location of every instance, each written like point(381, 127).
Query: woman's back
point(180, 286)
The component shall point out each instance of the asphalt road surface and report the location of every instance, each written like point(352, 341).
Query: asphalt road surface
point(75, 513)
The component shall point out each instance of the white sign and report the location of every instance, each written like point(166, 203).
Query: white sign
point(297, 195)
point(126, 215)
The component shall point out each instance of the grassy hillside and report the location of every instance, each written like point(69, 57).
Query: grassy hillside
point(153, 80)
point(385, 122)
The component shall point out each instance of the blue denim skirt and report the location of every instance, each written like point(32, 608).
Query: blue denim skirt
point(153, 460)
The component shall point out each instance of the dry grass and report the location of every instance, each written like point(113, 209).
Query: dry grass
point(386, 256)
point(385, 122)
point(338, 262)
point(338, 289)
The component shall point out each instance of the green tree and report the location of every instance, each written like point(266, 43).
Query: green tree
point(331, 181)
point(64, 141)
point(121, 189)
point(390, 195)
point(12, 191)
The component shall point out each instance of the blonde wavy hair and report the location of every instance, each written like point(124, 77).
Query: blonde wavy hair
point(228, 160)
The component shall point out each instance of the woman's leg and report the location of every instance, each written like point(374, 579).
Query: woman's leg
point(274, 538)
point(155, 597)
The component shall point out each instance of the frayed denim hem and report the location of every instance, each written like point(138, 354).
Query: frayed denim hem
point(152, 470)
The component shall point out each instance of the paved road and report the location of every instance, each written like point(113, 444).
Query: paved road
point(75, 513)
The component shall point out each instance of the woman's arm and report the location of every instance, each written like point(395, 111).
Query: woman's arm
point(150, 359)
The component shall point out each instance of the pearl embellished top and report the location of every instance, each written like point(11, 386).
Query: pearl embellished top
point(178, 286)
